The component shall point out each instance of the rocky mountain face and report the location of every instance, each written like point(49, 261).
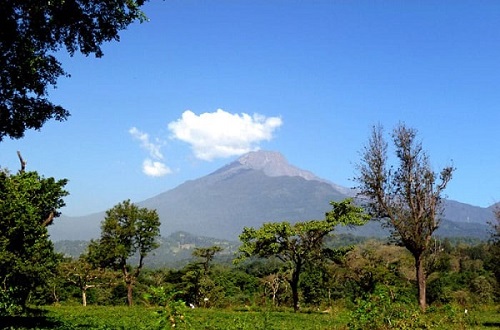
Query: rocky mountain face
point(258, 187)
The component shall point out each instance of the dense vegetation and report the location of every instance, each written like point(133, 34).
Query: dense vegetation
point(372, 286)
point(28, 204)
point(344, 281)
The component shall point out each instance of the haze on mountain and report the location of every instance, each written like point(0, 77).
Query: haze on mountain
point(260, 187)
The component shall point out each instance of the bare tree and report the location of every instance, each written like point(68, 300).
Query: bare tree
point(407, 196)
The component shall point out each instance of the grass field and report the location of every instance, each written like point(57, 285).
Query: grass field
point(93, 317)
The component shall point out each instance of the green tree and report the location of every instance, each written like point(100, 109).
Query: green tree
point(31, 32)
point(207, 255)
point(239, 287)
point(408, 197)
point(197, 280)
point(28, 204)
point(313, 285)
point(126, 231)
point(298, 244)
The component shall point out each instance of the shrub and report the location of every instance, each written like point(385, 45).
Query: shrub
point(381, 310)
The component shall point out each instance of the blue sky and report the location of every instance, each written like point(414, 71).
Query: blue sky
point(204, 81)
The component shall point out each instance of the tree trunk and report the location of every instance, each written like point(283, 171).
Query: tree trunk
point(84, 297)
point(129, 282)
point(294, 284)
point(54, 293)
point(129, 293)
point(419, 267)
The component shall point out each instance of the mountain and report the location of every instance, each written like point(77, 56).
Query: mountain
point(81, 228)
point(461, 212)
point(258, 187)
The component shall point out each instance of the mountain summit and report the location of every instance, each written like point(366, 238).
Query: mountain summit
point(273, 163)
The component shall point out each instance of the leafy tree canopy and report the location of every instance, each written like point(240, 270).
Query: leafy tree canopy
point(126, 231)
point(28, 204)
point(31, 32)
point(287, 241)
point(300, 243)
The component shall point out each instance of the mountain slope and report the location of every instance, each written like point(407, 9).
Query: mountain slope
point(258, 187)
point(461, 212)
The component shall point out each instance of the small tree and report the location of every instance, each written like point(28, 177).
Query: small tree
point(82, 274)
point(198, 282)
point(408, 197)
point(126, 231)
point(275, 283)
point(207, 255)
point(495, 226)
point(297, 244)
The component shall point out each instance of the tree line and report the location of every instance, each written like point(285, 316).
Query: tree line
point(456, 273)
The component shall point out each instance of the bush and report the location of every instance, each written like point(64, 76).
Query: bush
point(173, 310)
point(381, 310)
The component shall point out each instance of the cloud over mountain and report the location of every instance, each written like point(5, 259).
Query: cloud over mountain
point(222, 134)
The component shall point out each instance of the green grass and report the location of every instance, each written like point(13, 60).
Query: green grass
point(97, 317)
point(225, 319)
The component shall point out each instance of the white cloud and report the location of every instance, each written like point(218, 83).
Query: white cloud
point(222, 134)
point(152, 148)
point(154, 168)
point(151, 166)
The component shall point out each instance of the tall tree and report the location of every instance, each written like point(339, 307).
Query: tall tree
point(28, 204)
point(408, 197)
point(31, 32)
point(126, 231)
point(298, 244)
